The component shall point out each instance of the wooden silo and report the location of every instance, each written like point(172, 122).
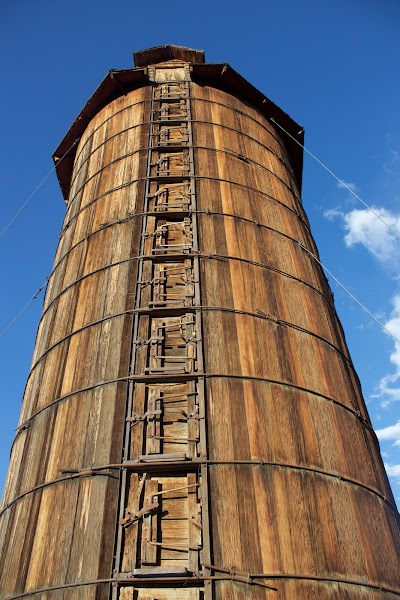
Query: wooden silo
point(192, 425)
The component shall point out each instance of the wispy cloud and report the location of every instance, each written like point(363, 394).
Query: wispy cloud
point(333, 213)
point(388, 389)
point(392, 432)
point(391, 165)
point(343, 185)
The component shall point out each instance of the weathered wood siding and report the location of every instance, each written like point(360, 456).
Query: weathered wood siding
point(281, 387)
point(249, 442)
point(65, 532)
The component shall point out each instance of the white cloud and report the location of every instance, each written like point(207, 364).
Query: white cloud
point(386, 389)
point(363, 227)
point(392, 470)
point(392, 432)
point(378, 230)
point(343, 185)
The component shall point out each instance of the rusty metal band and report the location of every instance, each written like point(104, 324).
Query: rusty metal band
point(77, 331)
point(37, 488)
point(340, 581)
point(197, 99)
point(109, 139)
point(241, 112)
point(255, 263)
point(109, 118)
point(136, 582)
point(76, 281)
point(194, 464)
point(120, 581)
point(185, 178)
point(103, 168)
point(162, 214)
point(189, 255)
point(81, 151)
point(210, 212)
point(93, 233)
point(168, 148)
point(256, 315)
point(66, 396)
point(153, 147)
point(99, 197)
point(246, 158)
point(93, 151)
point(316, 578)
point(277, 321)
point(194, 376)
point(145, 123)
point(230, 576)
point(267, 463)
point(100, 471)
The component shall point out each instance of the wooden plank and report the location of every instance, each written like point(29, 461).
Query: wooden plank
point(167, 594)
point(150, 524)
point(130, 536)
point(126, 593)
point(175, 528)
point(174, 508)
point(154, 420)
point(137, 423)
point(142, 347)
point(194, 523)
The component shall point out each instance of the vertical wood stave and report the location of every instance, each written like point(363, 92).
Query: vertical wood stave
point(223, 267)
point(282, 388)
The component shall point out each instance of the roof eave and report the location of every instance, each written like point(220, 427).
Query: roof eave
point(115, 84)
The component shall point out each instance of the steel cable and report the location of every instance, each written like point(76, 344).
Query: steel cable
point(35, 191)
point(342, 183)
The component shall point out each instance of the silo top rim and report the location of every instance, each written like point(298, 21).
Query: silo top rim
point(158, 54)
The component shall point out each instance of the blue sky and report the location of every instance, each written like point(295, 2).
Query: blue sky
point(333, 66)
